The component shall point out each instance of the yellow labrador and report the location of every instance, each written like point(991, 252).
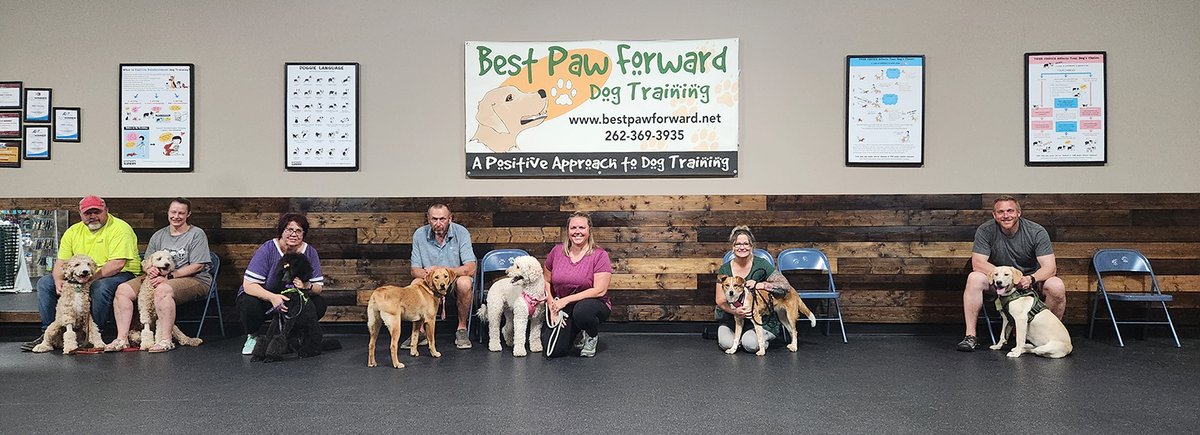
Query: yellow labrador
point(1048, 335)
point(504, 113)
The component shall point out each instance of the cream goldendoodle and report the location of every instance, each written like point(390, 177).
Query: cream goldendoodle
point(162, 261)
point(74, 310)
point(521, 299)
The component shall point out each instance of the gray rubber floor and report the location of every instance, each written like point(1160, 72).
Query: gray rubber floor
point(636, 384)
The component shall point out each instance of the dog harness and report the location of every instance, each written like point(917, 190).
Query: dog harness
point(531, 303)
point(1003, 301)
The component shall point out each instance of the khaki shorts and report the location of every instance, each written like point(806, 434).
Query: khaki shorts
point(187, 289)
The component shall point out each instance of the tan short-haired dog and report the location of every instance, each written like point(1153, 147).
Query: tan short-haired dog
point(788, 305)
point(504, 113)
point(416, 303)
point(1030, 317)
point(73, 314)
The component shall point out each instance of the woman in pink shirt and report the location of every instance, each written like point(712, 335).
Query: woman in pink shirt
point(577, 275)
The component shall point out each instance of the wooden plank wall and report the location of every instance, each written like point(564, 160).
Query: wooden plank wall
point(897, 258)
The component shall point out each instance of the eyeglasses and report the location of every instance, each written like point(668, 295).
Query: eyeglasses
point(294, 230)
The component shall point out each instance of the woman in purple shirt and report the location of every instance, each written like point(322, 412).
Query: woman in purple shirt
point(577, 275)
point(261, 286)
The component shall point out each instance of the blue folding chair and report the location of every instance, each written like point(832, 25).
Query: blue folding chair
point(212, 296)
point(494, 260)
point(813, 259)
point(1127, 262)
point(758, 252)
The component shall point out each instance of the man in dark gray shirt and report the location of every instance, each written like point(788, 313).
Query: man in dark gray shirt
point(1010, 240)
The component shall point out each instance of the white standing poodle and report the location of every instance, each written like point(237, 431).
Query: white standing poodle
point(73, 313)
point(521, 299)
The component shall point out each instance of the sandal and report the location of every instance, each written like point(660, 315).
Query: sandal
point(117, 345)
point(162, 346)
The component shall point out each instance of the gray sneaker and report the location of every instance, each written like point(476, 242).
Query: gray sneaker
point(589, 345)
point(460, 339)
point(407, 343)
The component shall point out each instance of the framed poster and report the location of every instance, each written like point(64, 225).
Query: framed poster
point(37, 142)
point(10, 125)
point(320, 116)
point(885, 110)
point(1065, 111)
point(10, 95)
point(10, 153)
point(66, 124)
point(155, 119)
point(37, 105)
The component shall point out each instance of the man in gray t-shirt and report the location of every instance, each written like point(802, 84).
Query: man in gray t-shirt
point(1010, 240)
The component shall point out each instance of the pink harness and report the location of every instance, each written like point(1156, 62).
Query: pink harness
point(531, 303)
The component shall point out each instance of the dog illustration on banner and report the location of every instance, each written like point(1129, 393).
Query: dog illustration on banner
point(533, 96)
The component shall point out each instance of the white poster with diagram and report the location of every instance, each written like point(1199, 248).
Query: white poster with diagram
point(321, 116)
point(885, 110)
point(156, 117)
point(1065, 112)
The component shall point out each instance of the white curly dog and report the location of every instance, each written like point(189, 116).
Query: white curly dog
point(162, 261)
point(74, 310)
point(521, 299)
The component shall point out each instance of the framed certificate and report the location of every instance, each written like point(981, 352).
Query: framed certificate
point(10, 95)
point(1066, 121)
point(10, 153)
point(37, 142)
point(885, 110)
point(320, 117)
point(10, 124)
point(155, 118)
point(37, 105)
point(66, 124)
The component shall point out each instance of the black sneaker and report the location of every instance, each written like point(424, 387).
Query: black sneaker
point(968, 344)
point(28, 347)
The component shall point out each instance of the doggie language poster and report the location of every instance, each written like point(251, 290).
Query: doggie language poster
point(1065, 108)
point(602, 108)
point(156, 117)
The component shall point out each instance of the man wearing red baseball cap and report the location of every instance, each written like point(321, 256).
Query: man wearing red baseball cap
point(110, 242)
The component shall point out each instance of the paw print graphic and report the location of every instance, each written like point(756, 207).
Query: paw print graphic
point(654, 145)
point(704, 140)
point(683, 106)
point(563, 92)
point(727, 92)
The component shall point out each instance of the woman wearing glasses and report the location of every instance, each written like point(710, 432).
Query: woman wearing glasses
point(261, 286)
point(757, 273)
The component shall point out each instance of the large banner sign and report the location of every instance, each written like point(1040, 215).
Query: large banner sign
point(602, 109)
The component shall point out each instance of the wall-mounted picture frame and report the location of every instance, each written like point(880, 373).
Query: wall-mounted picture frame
point(10, 153)
point(320, 116)
point(1066, 121)
point(885, 110)
point(156, 117)
point(10, 124)
point(37, 142)
point(11, 95)
point(38, 102)
point(67, 123)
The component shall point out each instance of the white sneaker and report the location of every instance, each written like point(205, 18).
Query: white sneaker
point(248, 348)
point(589, 345)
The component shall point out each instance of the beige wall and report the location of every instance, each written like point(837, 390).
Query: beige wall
point(792, 57)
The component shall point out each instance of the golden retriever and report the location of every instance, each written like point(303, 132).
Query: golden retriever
point(1048, 335)
point(762, 302)
point(504, 113)
point(416, 303)
point(74, 310)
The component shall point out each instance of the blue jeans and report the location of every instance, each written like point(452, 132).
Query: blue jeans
point(103, 290)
